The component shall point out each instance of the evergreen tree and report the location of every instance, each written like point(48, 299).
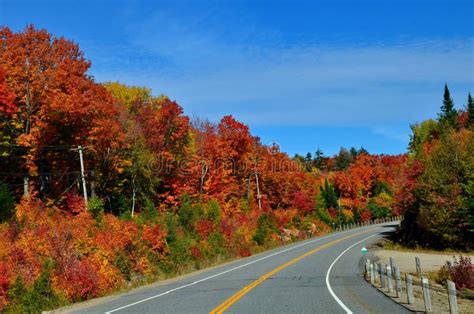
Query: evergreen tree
point(354, 153)
point(342, 160)
point(319, 159)
point(329, 194)
point(448, 115)
point(362, 151)
point(298, 158)
point(308, 162)
point(470, 110)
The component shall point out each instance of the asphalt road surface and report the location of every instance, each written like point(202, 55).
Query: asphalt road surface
point(320, 275)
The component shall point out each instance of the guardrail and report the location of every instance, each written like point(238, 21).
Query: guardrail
point(352, 225)
point(384, 276)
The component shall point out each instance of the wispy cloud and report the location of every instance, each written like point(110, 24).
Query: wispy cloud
point(400, 134)
point(314, 85)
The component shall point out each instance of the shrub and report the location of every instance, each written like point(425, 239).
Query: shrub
point(122, 262)
point(179, 253)
point(366, 215)
point(74, 203)
point(96, 207)
point(149, 212)
point(204, 227)
point(324, 216)
point(263, 230)
point(213, 211)
point(5, 275)
point(187, 213)
point(443, 275)
point(466, 294)
point(16, 292)
point(40, 296)
point(217, 243)
point(155, 236)
point(303, 202)
point(170, 222)
point(376, 211)
point(461, 272)
point(81, 281)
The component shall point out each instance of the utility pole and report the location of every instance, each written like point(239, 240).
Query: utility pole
point(259, 196)
point(339, 209)
point(84, 187)
point(133, 196)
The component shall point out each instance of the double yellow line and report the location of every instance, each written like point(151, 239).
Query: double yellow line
point(236, 297)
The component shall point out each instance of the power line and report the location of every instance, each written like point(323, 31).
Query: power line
point(14, 146)
point(39, 174)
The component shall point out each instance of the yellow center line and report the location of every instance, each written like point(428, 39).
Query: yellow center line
point(237, 296)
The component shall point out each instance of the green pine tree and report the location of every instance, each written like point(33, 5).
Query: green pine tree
point(319, 159)
point(308, 161)
point(470, 110)
point(329, 194)
point(343, 160)
point(448, 115)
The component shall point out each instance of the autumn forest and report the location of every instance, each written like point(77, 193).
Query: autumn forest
point(105, 186)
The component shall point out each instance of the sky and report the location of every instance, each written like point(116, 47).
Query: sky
point(305, 74)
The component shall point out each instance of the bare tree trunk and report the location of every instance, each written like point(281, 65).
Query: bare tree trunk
point(92, 184)
point(133, 199)
point(26, 179)
point(25, 185)
point(204, 169)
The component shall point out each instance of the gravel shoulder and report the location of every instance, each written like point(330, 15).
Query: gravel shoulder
point(430, 262)
point(406, 260)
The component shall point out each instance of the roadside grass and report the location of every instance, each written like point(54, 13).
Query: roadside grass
point(389, 244)
point(437, 282)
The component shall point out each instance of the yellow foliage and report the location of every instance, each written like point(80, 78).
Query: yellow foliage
point(348, 214)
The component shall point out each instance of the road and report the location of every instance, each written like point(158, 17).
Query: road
point(320, 275)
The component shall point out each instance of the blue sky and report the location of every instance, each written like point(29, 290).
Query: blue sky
point(305, 74)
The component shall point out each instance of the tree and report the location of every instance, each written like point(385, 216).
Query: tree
point(308, 161)
point(7, 106)
point(343, 159)
point(436, 200)
point(167, 137)
point(422, 136)
point(57, 105)
point(362, 150)
point(319, 159)
point(128, 95)
point(329, 195)
point(448, 115)
point(138, 180)
point(470, 110)
point(353, 152)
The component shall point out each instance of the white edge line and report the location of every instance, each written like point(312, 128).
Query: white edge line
point(345, 308)
point(238, 267)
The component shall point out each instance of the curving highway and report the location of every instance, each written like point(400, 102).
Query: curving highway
point(320, 275)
